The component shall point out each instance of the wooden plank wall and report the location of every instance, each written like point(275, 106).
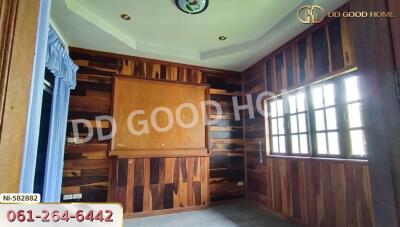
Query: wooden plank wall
point(7, 17)
point(86, 166)
point(394, 6)
point(313, 192)
point(226, 143)
point(155, 184)
point(375, 45)
point(322, 50)
point(18, 26)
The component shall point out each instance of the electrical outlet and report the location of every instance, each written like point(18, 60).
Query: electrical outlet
point(72, 140)
point(240, 183)
point(77, 196)
point(67, 197)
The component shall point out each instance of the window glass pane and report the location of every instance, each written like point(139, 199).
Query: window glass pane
point(295, 144)
point(352, 90)
point(317, 97)
point(281, 126)
point(275, 144)
point(303, 144)
point(301, 102)
point(302, 123)
point(320, 120)
point(293, 123)
point(333, 143)
point(272, 108)
point(274, 126)
point(331, 118)
point(292, 104)
point(279, 107)
point(282, 144)
point(321, 141)
point(357, 142)
point(329, 94)
point(355, 115)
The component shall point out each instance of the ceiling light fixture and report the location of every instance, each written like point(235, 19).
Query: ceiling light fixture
point(125, 16)
point(222, 38)
point(192, 6)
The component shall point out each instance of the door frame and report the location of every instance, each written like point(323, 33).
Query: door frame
point(35, 100)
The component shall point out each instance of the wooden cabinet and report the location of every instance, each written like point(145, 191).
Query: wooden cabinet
point(159, 119)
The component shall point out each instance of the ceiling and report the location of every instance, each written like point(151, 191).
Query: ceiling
point(159, 30)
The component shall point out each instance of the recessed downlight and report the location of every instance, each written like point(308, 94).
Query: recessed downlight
point(126, 17)
point(222, 38)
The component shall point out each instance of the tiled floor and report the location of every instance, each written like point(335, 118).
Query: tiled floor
point(236, 213)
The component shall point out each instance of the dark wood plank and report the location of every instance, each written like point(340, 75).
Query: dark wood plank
point(320, 52)
point(169, 196)
point(335, 40)
point(154, 170)
point(138, 198)
point(122, 171)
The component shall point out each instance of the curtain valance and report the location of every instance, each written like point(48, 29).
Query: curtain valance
point(58, 60)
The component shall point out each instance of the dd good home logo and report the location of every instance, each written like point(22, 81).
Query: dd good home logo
point(310, 14)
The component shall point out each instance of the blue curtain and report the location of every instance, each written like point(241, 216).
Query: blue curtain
point(64, 71)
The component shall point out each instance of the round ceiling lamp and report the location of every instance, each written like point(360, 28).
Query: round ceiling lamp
point(192, 6)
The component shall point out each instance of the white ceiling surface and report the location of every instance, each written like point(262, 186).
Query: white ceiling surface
point(159, 30)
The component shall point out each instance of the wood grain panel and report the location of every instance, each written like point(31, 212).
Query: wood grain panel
point(148, 95)
point(311, 192)
point(316, 193)
point(318, 52)
point(92, 97)
point(17, 51)
point(226, 140)
point(146, 187)
point(7, 27)
point(394, 6)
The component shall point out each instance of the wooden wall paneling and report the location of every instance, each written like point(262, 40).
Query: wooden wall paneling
point(328, 41)
point(296, 67)
point(130, 186)
point(335, 44)
point(7, 26)
point(156, 184)
point(18, 21)
point(91, 98)
point(279, 72)
point(254, 82)
point(347, 43)
point(290, 75)
point(310, 74)
point(302, 60)
point(269, 75)
point(375, 62)
point(138, 185)
point(184, 185)
point(147, 199)
point(317, 193)
point(312, 192)
point(320, 52)
point(339, 183)
point(394, 6)
point(226, 140)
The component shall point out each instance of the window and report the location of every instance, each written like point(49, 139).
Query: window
point(277, 124)
point(323, 119)
point(298, 123)
point(354, 106)
point(326, 127)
